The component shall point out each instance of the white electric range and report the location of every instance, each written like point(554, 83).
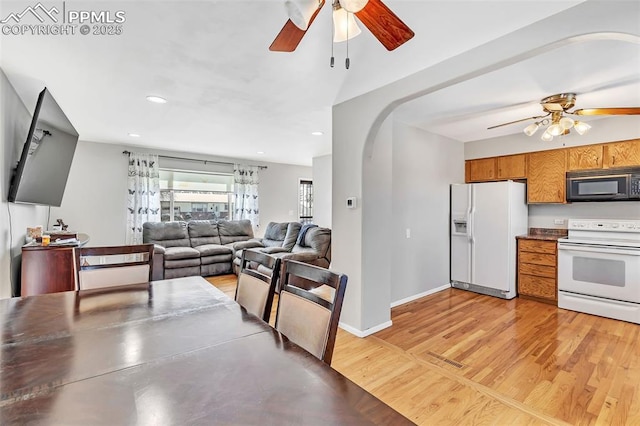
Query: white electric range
point(599, 268)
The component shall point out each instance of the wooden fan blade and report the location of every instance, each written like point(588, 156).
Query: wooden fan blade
point(290, 35)
point(518, 121)
point(384, 25)
point(608, 111)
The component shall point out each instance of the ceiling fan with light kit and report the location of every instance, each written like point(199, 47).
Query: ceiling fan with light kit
point(557, 110)
point(373, 14)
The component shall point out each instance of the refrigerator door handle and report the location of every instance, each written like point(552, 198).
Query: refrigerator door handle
point(471, 231)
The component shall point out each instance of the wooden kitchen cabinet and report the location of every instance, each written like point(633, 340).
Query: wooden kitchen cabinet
point(621, 154)
point(585, 157)
point(537, 270)
point(481, 170)
point(512, 167)
point(546, 179)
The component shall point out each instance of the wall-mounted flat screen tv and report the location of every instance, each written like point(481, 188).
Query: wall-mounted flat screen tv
point(41, 174)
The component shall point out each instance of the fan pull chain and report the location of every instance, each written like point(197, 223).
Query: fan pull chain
point(346, 61)
point(333, 60)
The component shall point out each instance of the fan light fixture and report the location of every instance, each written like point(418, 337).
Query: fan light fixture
point(557, 108)
point(560, 125)
point(344, 25)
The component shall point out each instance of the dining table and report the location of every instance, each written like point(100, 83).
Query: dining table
point(169, 352)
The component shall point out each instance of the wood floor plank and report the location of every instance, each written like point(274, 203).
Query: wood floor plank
point(456, 357)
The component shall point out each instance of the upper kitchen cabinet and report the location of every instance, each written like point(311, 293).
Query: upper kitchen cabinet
point(512, 167)
point(481, 170)
point(546, 176)
point(496, 168)
point(621, 154)
point(585, 157)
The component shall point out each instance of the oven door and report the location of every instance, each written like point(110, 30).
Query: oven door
point(602, 271)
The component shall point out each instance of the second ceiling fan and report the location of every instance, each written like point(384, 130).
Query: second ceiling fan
point(557, 108)
point(373, 14)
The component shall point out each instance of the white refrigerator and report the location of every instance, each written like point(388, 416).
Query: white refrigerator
point(485, 220)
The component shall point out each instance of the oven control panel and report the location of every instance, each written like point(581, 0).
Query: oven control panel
point(604, 225)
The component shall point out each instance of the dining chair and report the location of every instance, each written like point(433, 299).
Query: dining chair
point(99, 267)
point(255, 289)
point(309, 318)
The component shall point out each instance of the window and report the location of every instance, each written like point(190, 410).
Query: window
point(306, 201)
point(195, 195)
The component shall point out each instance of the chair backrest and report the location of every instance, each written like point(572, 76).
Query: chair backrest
point(99, 267)
point(309, 318)
point(255, 290)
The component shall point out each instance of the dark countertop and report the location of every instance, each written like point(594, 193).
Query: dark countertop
point(544, 234)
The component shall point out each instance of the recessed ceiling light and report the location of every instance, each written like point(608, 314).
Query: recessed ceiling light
point(156, 99)
point(317, 133)
point(260, 152)
point(134, 135)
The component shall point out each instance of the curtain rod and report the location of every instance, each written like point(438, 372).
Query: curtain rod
point(198, 160)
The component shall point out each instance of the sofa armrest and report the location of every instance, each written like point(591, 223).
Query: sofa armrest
point(241, 245)
point(273, 250)
point(304, 256)
point(158, 249)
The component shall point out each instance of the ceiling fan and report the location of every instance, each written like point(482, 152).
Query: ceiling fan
point(377, 17)
point(557, 108)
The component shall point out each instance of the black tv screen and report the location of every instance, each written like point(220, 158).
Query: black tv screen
point(41, 174)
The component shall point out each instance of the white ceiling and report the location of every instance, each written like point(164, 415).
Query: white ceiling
point(230, 96)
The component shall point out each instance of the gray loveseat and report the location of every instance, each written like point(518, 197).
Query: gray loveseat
point(199, 247)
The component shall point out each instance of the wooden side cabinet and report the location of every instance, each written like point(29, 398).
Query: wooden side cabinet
point(47, 270)
point(537, 270)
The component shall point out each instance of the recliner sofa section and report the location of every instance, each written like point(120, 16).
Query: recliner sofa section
point(199, 247)
point(278, 237)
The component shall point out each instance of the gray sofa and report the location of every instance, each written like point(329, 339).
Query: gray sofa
point(198, 247)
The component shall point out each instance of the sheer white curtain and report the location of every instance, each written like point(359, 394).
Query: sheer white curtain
point(245, 188)
point(143, 194)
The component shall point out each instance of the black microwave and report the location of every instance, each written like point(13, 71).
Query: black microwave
point(604, 185)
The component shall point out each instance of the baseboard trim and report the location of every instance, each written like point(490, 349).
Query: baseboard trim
point(419, 295)
point(367, 332)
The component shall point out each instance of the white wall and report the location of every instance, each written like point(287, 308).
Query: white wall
point(279, 186)
point(15, 119)
point(322, 191)
point(95, 198)
point(424, 165)
point(543, 215)
point(377, 213)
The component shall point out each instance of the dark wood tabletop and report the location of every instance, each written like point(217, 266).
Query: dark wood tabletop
point(169, 352)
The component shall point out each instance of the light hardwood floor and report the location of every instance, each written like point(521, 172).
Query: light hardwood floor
point(457, 357)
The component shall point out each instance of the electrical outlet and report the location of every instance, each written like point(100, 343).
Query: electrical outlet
point(558, 221)
point(408, 232)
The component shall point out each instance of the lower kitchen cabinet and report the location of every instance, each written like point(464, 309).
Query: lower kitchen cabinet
point(537, 270)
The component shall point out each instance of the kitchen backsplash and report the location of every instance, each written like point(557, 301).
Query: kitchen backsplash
point(544, 216)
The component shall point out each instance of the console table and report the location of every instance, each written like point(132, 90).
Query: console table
point(49, 269)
